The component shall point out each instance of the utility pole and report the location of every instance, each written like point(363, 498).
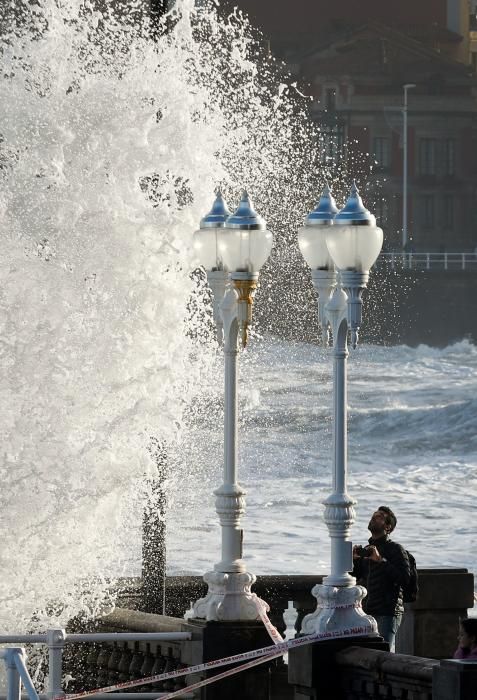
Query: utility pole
point(406, 87)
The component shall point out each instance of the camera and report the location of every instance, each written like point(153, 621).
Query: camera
point(360, 550)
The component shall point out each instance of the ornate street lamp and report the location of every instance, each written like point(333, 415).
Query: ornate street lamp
point(236, 246)
point(354, 242)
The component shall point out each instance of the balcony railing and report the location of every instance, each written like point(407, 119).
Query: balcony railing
point(430, 261)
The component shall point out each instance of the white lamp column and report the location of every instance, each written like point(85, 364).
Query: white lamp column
point(242, 246)
point(354, 243)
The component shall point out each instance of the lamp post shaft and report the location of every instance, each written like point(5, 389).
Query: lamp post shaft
point(339, 511)
point(404, 168)
point(229, 595)
point(340, 422)
point(338, 597)
point(230, 502)
point(404, 176)
point(230, 409)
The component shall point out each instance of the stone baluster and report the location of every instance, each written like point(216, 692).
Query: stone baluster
point(136, 663)
point(158, 667)
point(171, 665)
point(277, 608)
point(146, 669)
point(102, 664)
point(113, 664)
point(124, 663)
point(303, 607)
point(92, 668)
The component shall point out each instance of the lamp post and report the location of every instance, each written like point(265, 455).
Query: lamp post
point(406, 87)
point(353, 242)
point(231, 247)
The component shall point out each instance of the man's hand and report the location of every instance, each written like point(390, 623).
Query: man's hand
point(372, 553)
point(357, 551)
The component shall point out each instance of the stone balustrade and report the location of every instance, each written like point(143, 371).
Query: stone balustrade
point(98, 665)
point(365, 670)
point(368, 674)
point(429, 626)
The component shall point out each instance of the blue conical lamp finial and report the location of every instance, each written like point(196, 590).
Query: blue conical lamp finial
point(354, 213)
point(245, 217)
point(325, 211)
point(218, 215)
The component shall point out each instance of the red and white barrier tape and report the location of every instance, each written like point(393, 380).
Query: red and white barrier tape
point(220, 676)
point(262, 609)
point(279, 650)
point(257, 655)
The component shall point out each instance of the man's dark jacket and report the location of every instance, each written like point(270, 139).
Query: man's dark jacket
point(383, 580)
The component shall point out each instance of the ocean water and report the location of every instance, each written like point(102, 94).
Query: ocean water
point(111, 145)
point(412, 446)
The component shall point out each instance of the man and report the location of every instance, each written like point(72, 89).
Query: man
point(383, 569)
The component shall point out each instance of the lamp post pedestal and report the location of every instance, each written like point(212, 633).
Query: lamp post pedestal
point(229, 597)
point(339, 609)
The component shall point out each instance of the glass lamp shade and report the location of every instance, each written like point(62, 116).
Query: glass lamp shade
point(207, 248)
point(354, 247)
point(312, 242)
point(244, 250)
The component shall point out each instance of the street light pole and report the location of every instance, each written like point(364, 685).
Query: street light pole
point(353, 243)
point(406, 87)
point(239, 243)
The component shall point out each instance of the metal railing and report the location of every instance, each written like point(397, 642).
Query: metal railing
point(430, 261)
point(55, 639)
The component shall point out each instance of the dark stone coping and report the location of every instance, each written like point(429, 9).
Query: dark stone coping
point(383, 663)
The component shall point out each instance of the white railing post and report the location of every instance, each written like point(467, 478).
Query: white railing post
point(56, 641)
point(445, 261)
point(13, 677)
point(463, 261)
point(428, 261)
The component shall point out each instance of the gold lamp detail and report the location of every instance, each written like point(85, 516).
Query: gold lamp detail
point(245, 245)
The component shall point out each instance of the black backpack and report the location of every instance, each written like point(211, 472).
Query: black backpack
point(410, 591)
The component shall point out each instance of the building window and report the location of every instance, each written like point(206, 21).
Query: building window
point(382, 151)
point(382, 212)
point(449, 157)
point(448, 212)
point(427, 211)
point(427, 156)
point(330, 99)
point(331, 142)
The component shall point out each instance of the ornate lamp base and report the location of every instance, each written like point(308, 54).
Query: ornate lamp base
point(338, 610)
point(229, 598)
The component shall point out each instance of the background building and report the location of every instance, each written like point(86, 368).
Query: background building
point(353, 59)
